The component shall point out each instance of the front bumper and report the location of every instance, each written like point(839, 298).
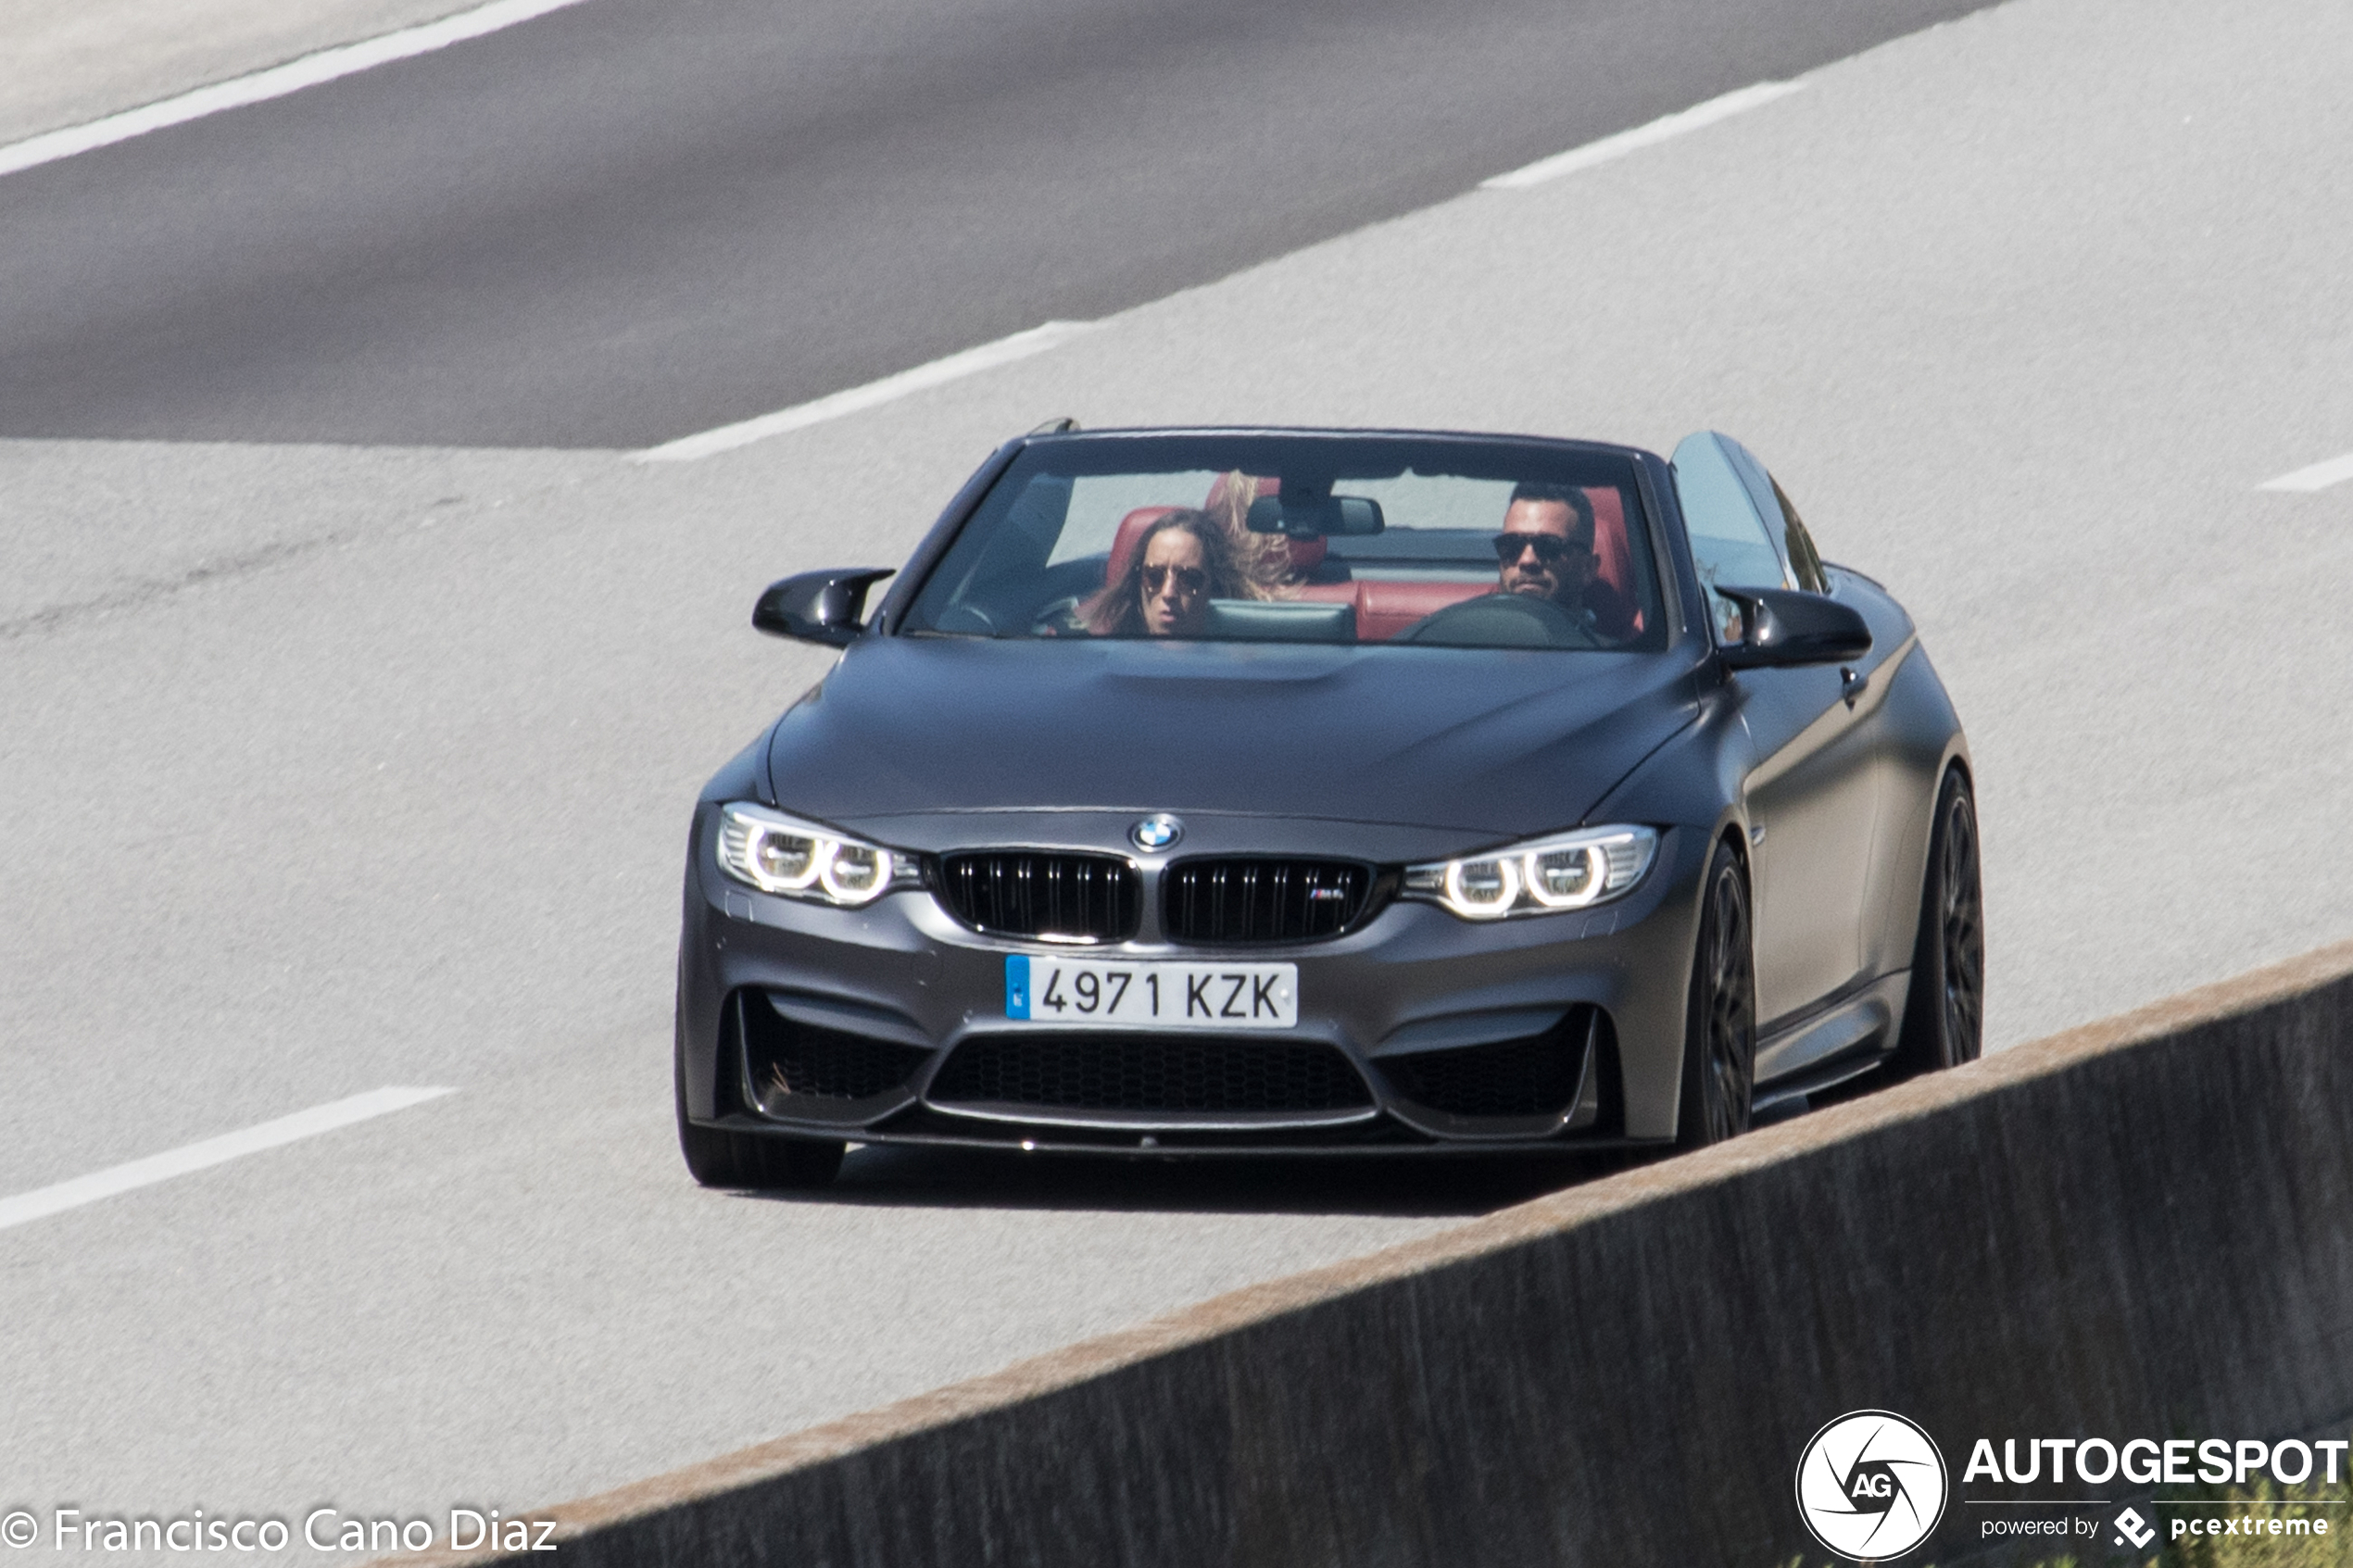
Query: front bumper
point(1417, 1031)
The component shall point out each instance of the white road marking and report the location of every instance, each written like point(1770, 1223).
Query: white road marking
point(856, 399)
point(1037, 340)
point(2320, 476)
point(345, 59)
point(1662, 129)
point(42, 1202)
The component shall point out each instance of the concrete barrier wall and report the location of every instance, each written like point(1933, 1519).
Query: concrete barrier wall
point(2143, 1227)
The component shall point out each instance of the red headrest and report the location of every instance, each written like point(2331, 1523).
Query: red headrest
point(1130, 539)
point(1609, 538)
point(1613, 556)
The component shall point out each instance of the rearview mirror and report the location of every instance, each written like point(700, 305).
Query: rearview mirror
point(1785, 626)
point(818, 607)
point(1310, 517)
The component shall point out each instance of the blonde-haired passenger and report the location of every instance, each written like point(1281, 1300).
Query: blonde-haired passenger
point(1264, 560)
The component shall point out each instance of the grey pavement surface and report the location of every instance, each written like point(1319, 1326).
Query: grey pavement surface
point(632, 219)
point(329, 768)
point(71, 61)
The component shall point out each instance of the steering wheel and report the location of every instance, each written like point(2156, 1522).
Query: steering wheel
point(1055, 618)
point(1500, 620)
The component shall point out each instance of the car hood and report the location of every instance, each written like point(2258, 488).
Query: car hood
point(1490, 743)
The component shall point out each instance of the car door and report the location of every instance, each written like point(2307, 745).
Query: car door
point(1812, 794)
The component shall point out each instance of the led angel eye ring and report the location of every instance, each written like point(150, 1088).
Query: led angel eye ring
point(1507, 893)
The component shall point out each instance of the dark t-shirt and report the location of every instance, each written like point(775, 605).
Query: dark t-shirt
point(1602, 609)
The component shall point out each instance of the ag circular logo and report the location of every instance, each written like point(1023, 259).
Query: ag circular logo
point(1156, 832)
point(1871, 1485)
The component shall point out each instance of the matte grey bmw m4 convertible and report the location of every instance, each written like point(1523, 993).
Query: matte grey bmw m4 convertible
point(1214, 791)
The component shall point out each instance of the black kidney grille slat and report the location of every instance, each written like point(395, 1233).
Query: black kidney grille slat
point(1033, 893)
point(1240, 901)
point(1148, 1073)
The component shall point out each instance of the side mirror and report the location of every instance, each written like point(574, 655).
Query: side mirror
point(818, 607)
point(1784, 626)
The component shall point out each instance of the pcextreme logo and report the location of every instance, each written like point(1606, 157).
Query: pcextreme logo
point(1871, 1485)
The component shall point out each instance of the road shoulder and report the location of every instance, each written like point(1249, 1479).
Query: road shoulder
point(71, 61)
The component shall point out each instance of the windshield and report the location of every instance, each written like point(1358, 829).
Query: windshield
point(1304, 539)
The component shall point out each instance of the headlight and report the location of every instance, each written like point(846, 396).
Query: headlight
point(1571, 872)
point(782, 855)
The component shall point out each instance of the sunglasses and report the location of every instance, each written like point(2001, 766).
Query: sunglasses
point(1549, 547)
point(1190, 580)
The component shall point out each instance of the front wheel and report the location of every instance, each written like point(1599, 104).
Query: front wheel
point(1944, 1015)
point(758, 1162)
point(1719, 1036)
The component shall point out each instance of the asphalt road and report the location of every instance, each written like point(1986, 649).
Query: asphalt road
point(326, 768)
point(635, 219)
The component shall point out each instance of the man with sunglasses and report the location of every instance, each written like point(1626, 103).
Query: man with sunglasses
point(1546, 552)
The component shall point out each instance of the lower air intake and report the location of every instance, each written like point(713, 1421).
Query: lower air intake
point(1534, 1076)
point(1148, 1074)
point(783, 1057)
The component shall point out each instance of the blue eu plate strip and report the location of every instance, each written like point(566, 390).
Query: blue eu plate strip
point(1016, 985)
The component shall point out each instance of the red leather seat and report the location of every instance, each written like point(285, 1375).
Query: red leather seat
point(1386, 607)
point(1613, 556)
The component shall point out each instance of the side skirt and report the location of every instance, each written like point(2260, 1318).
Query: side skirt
point(1839, 1042)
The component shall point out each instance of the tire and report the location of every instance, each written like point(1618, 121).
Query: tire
point(718, 1157)
point(1719, 1031)
point(1944, 1015)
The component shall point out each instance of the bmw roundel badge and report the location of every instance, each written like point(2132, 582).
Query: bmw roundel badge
point(1156, 832)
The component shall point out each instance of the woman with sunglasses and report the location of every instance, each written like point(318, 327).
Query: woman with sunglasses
point(1186, 559)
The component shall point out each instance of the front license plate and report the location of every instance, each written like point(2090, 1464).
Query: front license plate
point(1166, 995)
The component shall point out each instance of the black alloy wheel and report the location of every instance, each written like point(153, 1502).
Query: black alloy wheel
point(1719, 1044)
point(719, 1157)
point(1944, 1016)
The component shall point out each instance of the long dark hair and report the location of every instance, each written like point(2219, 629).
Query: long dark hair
point(1117, 610)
